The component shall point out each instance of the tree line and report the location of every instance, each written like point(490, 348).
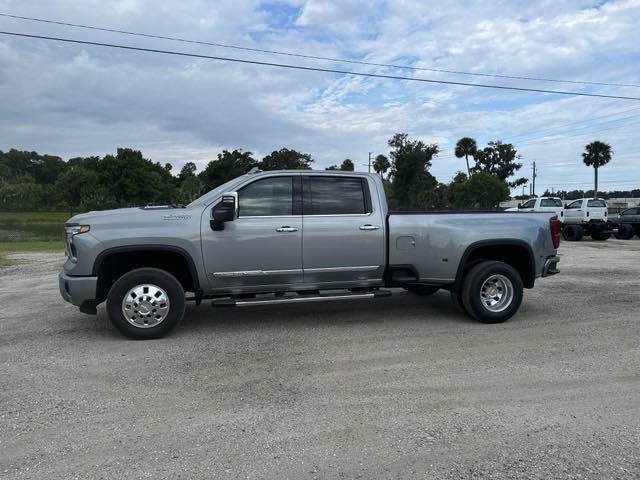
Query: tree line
point(31, 181)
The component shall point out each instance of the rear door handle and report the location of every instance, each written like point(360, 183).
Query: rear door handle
point(286, 228)
point(368, 226)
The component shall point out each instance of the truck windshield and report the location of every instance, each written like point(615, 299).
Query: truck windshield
point(209, 197)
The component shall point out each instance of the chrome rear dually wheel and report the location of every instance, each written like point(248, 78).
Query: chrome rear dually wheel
point(491, 291)
point(496, 293)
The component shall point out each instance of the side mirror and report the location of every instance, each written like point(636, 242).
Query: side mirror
point(519, 205)
point(225, 211)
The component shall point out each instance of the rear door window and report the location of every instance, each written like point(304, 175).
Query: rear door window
point(551, 202)
point(335, 196)
point(576, 204)
point(597, 203)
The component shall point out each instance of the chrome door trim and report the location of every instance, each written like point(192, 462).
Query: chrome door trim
point(340, 215)
point(270, 216)
point(255, 273)
point(363, 268)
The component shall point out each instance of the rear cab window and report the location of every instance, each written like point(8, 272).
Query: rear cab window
point(551, 202)
point(336, 195)
point(596, 203)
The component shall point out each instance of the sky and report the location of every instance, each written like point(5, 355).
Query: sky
point(78, 100)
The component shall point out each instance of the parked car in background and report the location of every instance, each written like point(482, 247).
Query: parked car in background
point(627, 222)
point(541, 204)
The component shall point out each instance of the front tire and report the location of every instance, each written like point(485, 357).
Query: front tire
point(492, 292)
point(625, 232)
point(146, 303)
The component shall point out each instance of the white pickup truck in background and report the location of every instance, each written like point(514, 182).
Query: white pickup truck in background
point(541, 205)
point(581, 217)
point(586, 216)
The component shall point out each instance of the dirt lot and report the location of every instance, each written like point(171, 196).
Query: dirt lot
point(404, 387)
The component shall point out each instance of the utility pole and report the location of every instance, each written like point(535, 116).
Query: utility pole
point(369, 163)
point(523, 185)
point(535, 174)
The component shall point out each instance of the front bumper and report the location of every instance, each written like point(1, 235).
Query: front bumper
point(79, 291)
point(551, 266)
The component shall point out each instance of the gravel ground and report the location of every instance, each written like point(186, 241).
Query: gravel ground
point(404, 387)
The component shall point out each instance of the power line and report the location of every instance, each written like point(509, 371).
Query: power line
point(554, 130)
point(597, 132)
point(313, 57)
point(560, 126)
point(316, 69)
point(561, 136)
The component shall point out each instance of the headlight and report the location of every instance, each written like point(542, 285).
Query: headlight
point(70, 232)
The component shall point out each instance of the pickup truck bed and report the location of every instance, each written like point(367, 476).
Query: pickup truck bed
point(435, 245)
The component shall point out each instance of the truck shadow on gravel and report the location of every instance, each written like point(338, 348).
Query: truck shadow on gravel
point(402, 307)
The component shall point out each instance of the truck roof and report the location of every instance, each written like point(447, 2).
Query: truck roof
point(256, 171)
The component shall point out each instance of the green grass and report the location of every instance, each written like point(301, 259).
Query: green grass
point(34, 217)
point(27, 246)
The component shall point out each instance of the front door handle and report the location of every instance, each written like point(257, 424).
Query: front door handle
point(368, 226)
point(286, 228)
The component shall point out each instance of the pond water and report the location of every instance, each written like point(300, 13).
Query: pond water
point(18, 232)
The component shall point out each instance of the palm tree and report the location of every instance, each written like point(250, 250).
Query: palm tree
point(466, 146)
point(381, 165)
point(595, 155)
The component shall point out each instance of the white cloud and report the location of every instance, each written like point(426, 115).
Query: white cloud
point(72, 100)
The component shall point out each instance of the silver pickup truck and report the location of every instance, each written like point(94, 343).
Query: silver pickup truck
point(297, 236)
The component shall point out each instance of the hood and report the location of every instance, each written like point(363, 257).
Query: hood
point(126, 215)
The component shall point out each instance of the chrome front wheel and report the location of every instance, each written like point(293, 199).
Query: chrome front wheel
point(145, 306)
point(146, 303)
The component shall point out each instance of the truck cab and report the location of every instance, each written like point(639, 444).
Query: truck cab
point(541, 204)
point(586, 210)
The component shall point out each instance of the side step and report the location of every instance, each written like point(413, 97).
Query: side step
point(252, 302)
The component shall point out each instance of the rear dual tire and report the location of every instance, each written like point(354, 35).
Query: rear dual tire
point(491, 292)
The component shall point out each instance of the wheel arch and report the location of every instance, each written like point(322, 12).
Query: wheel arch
point(114, 262)
point(514, 252)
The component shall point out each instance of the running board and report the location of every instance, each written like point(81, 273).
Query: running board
point(233, 302)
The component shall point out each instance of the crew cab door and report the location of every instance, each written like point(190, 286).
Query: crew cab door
point(344, 231)
point(263, 246)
